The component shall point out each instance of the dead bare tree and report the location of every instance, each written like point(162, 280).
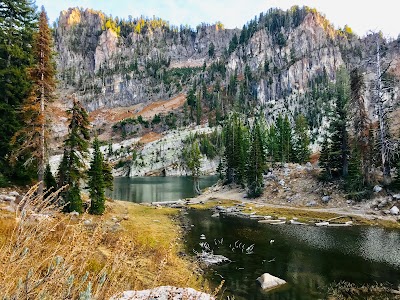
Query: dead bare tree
point(383, 107)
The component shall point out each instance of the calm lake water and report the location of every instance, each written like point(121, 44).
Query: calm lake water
point(308, 258)
point(156, 189)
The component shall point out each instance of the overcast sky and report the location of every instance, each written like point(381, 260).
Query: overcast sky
point(361, 16)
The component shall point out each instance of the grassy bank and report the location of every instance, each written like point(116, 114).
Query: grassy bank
point(63, 256)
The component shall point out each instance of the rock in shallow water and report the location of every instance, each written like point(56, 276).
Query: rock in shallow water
point(268, 281)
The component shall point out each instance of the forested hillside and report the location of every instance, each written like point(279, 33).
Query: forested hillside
point(286, 73)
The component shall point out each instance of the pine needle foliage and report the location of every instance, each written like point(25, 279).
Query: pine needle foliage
point(99, 180)
point(72, 166)
point(31, 139)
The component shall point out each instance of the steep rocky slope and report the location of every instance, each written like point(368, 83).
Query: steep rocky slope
point(110, 69)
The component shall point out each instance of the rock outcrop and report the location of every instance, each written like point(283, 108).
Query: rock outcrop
point(164, 293)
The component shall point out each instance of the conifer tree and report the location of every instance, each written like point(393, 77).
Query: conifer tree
point(236, 145)
point(72, 166)
point(192, 156)
point(324, 159)
point(49, 180)
point(198, 110)
point(354, 182)
point(272, 145)
point(301, 145)
point(284, 138)
point(32, 137)
point(256, 163)
point(99, 180)
point(339, 149)
point(17, 25)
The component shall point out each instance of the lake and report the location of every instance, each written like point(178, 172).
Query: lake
point(309, 258)
point(156, 189)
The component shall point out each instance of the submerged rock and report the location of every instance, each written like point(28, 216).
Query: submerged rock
point(164, 293)
point(268, 281)
point(208, 258)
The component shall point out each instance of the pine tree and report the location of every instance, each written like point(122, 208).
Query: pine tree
point(284, 139)
point(99, 179)
point(354, 182)
point(272, 145)
point(198, 110)
point(236, 147)
point(340, 140)
point(192, 156)
point(256, 163)
point(301, 145)
point(17, 25)
point(191, 101)
point(72, 167)
point(324, 159)
point(49, 180)
point(32, 137)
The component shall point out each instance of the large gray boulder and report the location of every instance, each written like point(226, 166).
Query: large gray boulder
point(394, 210)
point(269, 282)
point(164, 293)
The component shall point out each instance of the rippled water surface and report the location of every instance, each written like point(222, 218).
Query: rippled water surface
point(308, 258)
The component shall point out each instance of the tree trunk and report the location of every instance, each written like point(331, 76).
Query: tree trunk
point(42, 132)
point(382, 124)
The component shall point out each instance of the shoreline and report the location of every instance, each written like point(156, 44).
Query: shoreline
point(229, 197)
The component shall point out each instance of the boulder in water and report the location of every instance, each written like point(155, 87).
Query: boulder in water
point(268, 281)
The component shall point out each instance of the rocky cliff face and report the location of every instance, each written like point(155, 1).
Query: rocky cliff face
point(107, 68)
point(286, 60)
point(287, 68)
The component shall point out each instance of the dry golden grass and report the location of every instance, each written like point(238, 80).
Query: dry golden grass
point(45, 254)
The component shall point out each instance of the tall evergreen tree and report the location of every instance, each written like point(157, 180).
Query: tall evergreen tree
point(256, 162)
point(361, 124)
point(17, 25)
point(72, 167)
point(325, 160)
point(236, 145)
point(50, 182)
point(340, 149)
point(32, 137)
point(272, 145)
point(284, 138)
point(354, 182)
point(99, 180)
point(301, 145)
point(192, 156)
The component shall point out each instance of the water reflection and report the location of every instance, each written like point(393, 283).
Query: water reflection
point(308, 258)
point(155, 189)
